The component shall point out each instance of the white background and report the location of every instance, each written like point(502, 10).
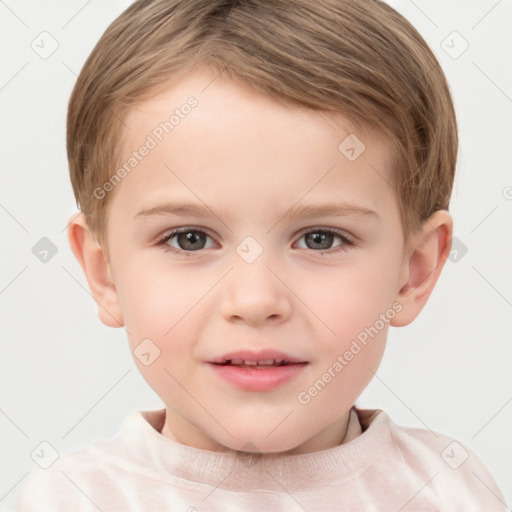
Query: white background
point(69, 380)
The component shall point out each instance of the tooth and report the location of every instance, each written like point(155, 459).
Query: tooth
point(262, 362)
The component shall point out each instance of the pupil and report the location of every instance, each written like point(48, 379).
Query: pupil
point(318, 238)
point(190, 239)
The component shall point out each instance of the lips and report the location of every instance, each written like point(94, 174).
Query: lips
point(256, 371)
point(256, 359)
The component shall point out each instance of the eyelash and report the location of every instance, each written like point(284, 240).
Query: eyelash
point(345, 246)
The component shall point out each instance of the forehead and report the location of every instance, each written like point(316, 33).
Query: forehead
point(224, 104)
point(210, 136)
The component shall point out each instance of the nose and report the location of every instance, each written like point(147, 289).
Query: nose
point(254, 294)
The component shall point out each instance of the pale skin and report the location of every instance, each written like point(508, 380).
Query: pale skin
point(250, 159)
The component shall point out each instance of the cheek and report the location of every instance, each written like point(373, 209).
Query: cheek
point(347, 300)
point(154, 300)
point(159, 305)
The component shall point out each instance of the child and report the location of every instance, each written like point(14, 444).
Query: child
point(263, 189)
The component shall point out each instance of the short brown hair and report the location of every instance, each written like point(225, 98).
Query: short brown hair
point(360, 58)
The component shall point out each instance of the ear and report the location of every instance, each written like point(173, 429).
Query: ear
point(96, 269)
point(422, 265)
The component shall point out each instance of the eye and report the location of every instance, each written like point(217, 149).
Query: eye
point(322, 240)
point(186, 239)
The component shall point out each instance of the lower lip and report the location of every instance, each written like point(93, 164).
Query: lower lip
point(254, 379)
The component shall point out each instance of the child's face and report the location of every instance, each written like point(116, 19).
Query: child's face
point(247, 160)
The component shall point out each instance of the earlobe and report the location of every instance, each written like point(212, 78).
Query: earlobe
point(422, 266)
point(90, 256)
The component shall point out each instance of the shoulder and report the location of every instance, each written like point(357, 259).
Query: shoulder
point(449, 470)
point(78, 479)
point(62, 486)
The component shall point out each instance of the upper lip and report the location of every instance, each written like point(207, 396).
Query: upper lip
point(257, 355)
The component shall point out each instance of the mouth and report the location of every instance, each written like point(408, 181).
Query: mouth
point(264, 364)
point(257, 371)
point(265, 358)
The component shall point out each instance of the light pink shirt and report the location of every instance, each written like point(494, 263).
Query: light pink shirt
point(379, 467)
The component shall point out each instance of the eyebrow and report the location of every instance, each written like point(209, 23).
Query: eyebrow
point(307, 210)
